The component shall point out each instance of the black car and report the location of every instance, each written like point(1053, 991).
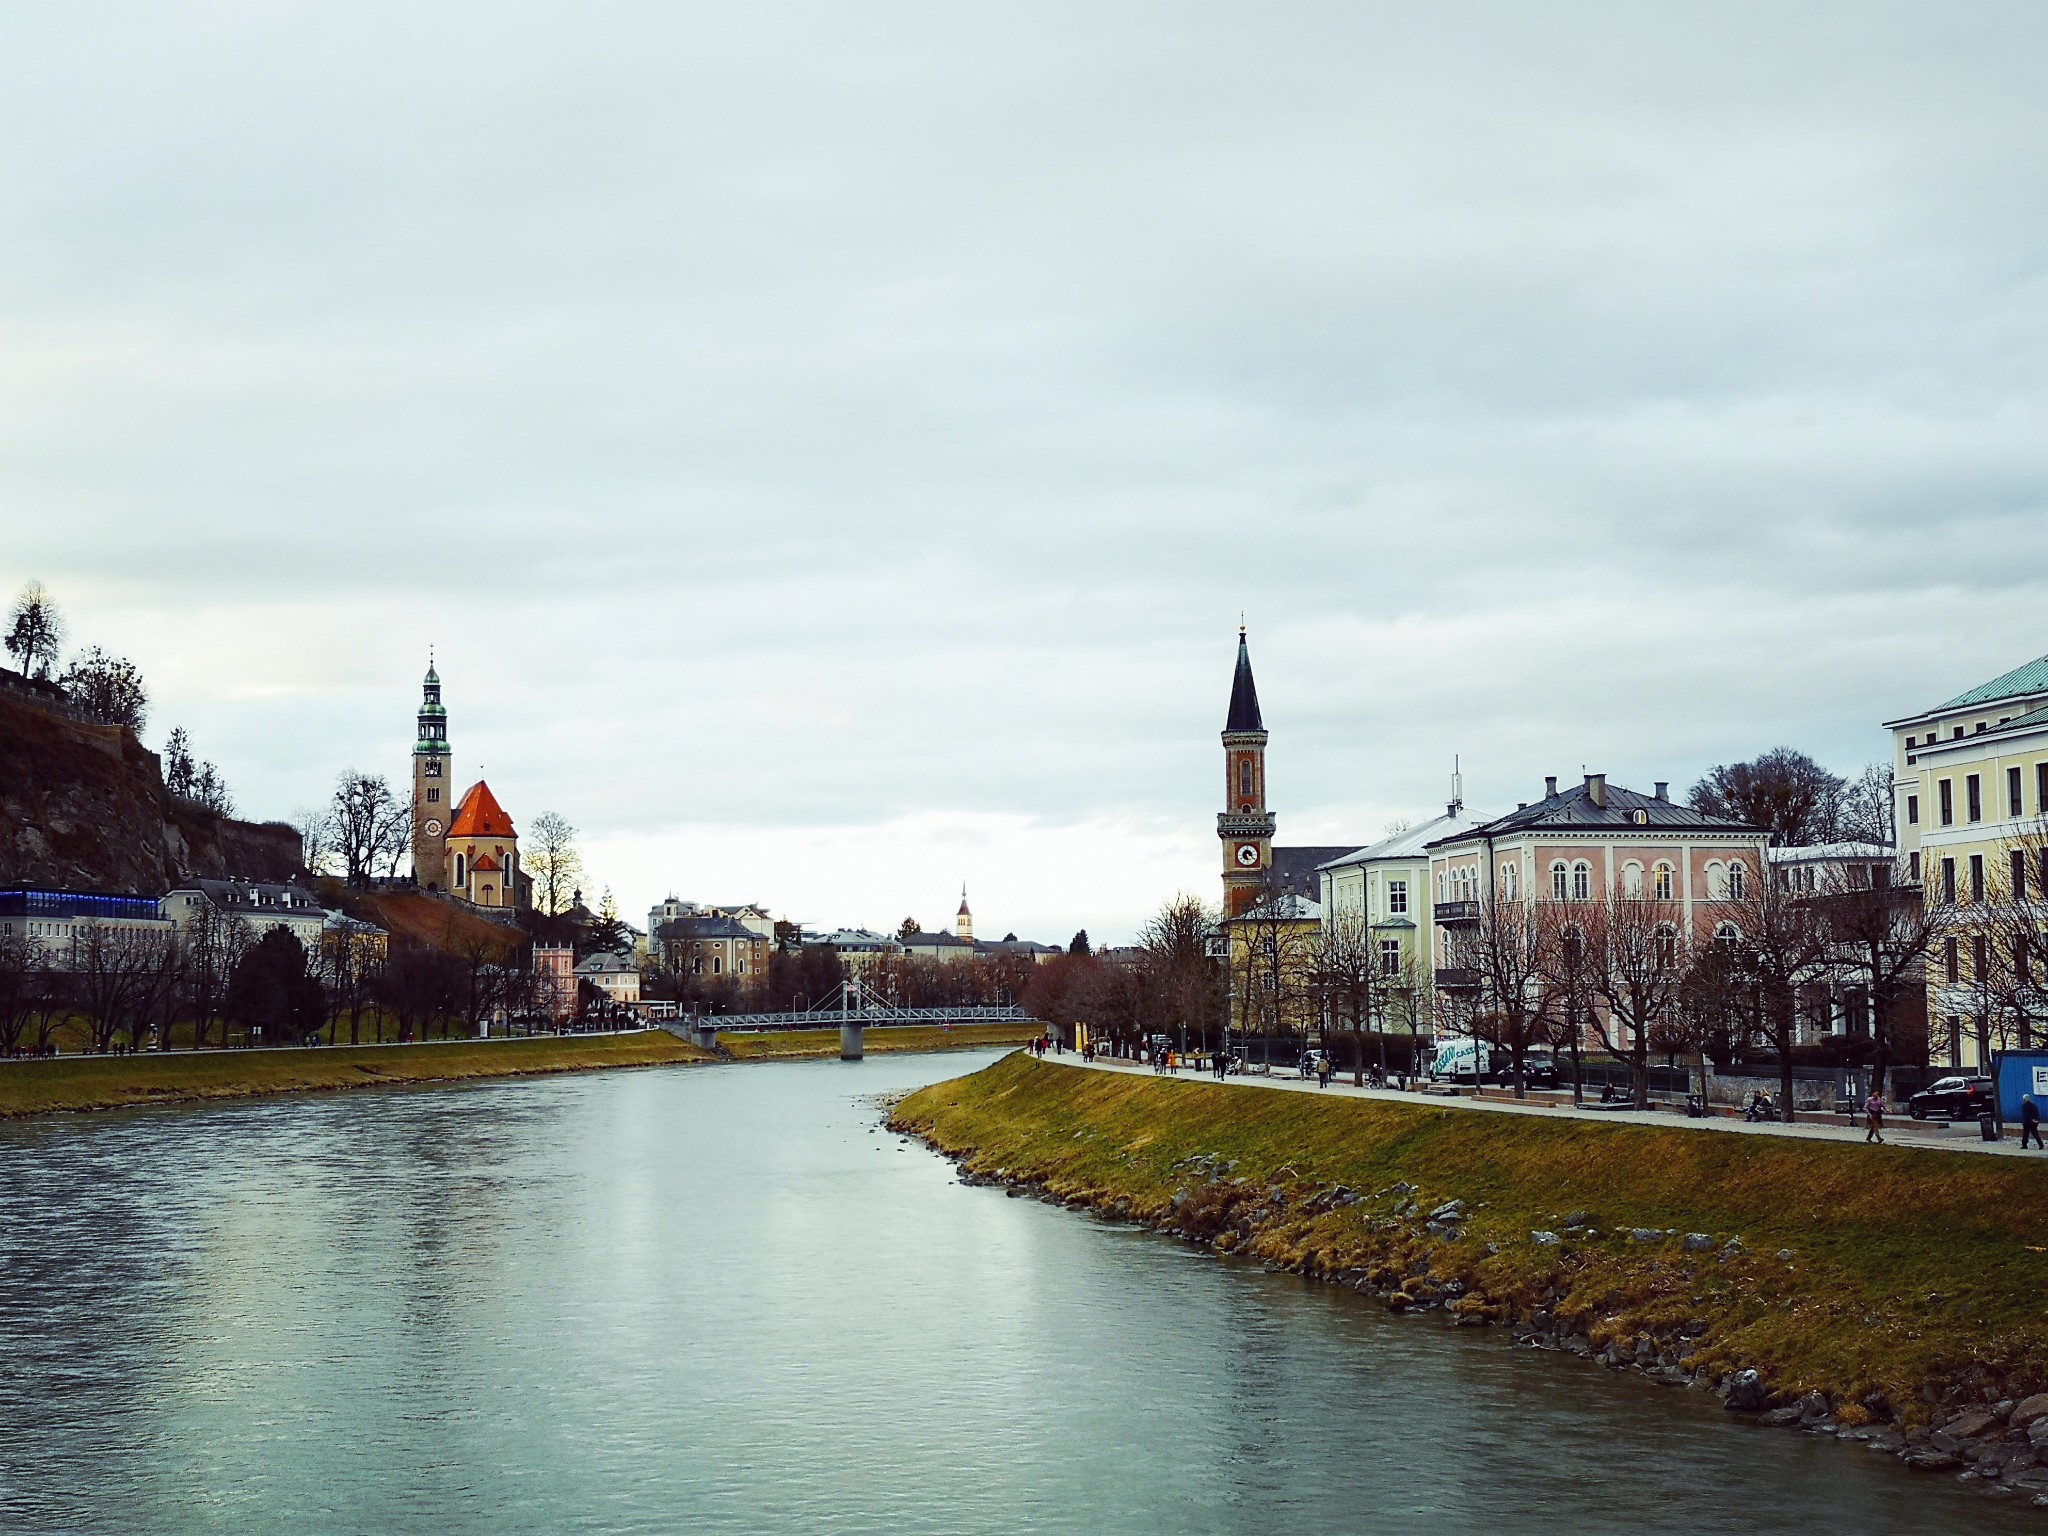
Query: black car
point(1951, 1098)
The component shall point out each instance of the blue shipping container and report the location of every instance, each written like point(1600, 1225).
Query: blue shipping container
point(2019, 1073)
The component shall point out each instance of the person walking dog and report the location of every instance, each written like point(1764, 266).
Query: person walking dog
point(1873, 1118)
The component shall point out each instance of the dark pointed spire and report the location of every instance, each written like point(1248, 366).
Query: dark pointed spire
point(1244, 693)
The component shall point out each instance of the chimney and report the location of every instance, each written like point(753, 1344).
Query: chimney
point(1596, 789)
point(1550, 786)
point(1663, 789)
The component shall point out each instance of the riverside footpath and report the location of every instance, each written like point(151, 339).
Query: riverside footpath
point(1899, 1129)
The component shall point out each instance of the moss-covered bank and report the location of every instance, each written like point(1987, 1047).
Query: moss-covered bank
point(114, 1082)
point(1866, 1286)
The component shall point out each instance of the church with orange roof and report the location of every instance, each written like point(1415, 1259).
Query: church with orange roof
point(468, 849)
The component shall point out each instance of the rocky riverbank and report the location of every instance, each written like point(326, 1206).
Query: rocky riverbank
point(1884, 1297)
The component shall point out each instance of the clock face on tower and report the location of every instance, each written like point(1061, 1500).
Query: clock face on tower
point(433, 827)
point(1247, 855)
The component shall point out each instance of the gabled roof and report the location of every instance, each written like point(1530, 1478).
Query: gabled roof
point(485, 864)
point(933, 941)
point(1406, 845)
point(480, 815)
point(2031, 678)
point(1244, 694)
point(1574, 808)
point(715, 927)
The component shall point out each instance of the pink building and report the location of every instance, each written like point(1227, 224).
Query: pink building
point(1581, 845)
point(554, 975)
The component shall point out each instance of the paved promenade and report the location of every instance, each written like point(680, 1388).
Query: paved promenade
point(1899, 1130)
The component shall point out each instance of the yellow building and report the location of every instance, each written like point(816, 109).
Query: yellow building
point(1970, 787)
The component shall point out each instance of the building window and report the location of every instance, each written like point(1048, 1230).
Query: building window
point(1727, 934)
point(1632, 878)
point(1738, 879)
point(2041, 789)
point(1948, 803)
point(1977, 878)
point(1661, 886)
point(1951, 962)
point(2015, 798)
point(1397, 896)
point(1979, 965)
point(1973, 796)
point(1913, 866)
point(1390, 957)
point(1667, 947)
point(1244, 778)
point(433, 794)
point(1507, 881)
point(1912, 810)
point(1948, 880)
point(2019, 874)
point(1559, 888)
point(461, 869)
point(1582, 880)
point(1717, 881)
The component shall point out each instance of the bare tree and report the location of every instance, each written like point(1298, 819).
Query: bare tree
point(1781, 943)
point(1344, 968)
point(1180, 976)
point(211, 944)
point(2013, 924)
point(30, 996)
point(1510, 1004)
point(124, 978)
point(552, 860)
point(316, 839)
point(106, 689)
point(1782, 789)
point(1269, 965)
point(35, 630)
point(367, 823)
point(1569, 978)
point(1635, 954)
point(1867, 813)
point(1881, 934)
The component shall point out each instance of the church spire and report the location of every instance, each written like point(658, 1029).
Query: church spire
point(1244, 693)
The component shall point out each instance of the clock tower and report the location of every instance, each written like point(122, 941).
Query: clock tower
point(1244, 825)
point(431, 808)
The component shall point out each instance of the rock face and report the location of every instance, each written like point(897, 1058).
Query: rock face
point(83, 807)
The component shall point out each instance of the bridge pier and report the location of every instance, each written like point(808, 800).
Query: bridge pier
point(852, 1041)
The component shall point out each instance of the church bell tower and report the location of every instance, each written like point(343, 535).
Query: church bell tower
point(430, 780)
point(1244, 825)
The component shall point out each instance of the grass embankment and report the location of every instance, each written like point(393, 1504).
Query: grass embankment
point(877, 1040)
point(113, 1082)
point(1915, 1274)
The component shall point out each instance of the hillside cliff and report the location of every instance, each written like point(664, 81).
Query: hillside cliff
point(84, 807)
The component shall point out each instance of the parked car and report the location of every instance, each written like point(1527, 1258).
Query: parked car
point(1539, 1070)
point(1952, 1098)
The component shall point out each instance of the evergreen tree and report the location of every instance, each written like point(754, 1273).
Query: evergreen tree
point(1079, 946)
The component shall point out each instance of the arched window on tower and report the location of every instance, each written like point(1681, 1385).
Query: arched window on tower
point(1244, 778)
point(1661, 883)
point(1560, 887)
point(461, 870)
point(1582, 880)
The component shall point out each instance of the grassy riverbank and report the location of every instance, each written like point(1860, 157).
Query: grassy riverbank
point(792, 1043)
point(1890, 1278)
point(112, 1082)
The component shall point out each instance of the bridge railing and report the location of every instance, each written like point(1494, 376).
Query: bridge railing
point(871, 1018)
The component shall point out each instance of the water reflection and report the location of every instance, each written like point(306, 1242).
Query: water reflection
point(716, 1300)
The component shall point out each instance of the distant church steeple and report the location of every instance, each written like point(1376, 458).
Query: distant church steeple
point(430, 779)
point(1244, 824)
point(963, 920)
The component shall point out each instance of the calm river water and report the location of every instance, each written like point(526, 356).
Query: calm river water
point(716, 1299)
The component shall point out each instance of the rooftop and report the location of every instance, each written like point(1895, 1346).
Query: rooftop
point(480, 815)
point(1578, 807)
point(1244, 693)
point(1410, 844)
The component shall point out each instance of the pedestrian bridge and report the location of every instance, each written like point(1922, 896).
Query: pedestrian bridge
point(852, 1009)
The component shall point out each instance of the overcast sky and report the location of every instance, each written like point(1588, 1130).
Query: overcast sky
point(829, 449)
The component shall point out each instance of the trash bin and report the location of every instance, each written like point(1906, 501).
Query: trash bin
point(1987, 1128)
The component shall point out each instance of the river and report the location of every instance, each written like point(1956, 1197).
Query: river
point(721, 1300)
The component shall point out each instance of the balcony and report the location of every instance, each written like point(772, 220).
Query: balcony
point(1456, 914)
point(1457, 978)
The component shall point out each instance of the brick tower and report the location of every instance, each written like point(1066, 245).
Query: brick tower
point(1244, 825)
point(431, 808)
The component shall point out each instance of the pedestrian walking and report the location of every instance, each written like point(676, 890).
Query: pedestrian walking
point(2030, 1123)
point(1873, 1118)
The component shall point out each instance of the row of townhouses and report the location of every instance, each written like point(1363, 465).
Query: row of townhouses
point(1970, 784)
